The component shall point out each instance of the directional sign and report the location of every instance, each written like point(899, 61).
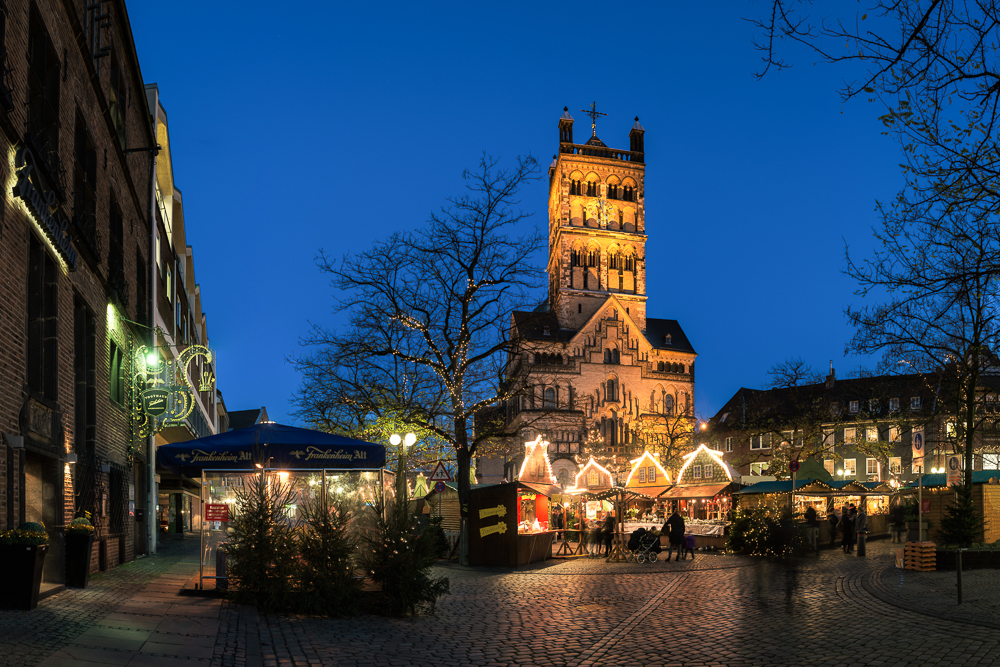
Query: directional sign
point(499, 510)
point(440, 474)
point(793, 466)
point(440, 487)
point(497, 528)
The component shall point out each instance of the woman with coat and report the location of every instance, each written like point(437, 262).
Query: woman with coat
point(847, 528)
point(674, 528)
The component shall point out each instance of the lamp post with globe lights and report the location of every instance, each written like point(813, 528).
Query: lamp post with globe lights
point(403, 442)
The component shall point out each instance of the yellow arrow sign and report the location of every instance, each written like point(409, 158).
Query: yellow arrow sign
point(499, 510)
point(497, 528)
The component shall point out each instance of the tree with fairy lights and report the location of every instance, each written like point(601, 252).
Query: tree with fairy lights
point(432, 304)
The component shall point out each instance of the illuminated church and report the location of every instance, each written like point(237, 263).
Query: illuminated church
point(598, 376)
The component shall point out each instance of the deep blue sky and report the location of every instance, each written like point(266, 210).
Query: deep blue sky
point(330, 125)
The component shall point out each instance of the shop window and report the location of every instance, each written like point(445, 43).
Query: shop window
point(116, 373)
point(43, 322)
point(696, 472)
point(850, 467)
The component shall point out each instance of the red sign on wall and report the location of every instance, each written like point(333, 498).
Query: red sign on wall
point(925, 507)
point(216, 512)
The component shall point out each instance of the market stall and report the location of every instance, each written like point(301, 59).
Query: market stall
point(647, 479)
point(508, 523)
point(703, 495)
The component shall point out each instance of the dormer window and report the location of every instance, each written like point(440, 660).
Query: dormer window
point(667, 340)
point(546, 331)
point(835, 408)
point(893, 405)
point(914, 402)
point(854, 407)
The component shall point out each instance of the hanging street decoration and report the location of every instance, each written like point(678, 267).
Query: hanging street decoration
point(165, 388)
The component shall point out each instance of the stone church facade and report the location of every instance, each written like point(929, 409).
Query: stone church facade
point(598, 376)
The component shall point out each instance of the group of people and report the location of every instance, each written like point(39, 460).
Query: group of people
point(674, 530)
point(850, 523)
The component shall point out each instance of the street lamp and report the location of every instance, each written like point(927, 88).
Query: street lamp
point(403, 442)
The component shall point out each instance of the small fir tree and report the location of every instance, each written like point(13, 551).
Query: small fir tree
point(324, 572)
point(962, 524)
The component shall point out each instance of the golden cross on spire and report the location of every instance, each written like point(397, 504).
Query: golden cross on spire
point(593, 113)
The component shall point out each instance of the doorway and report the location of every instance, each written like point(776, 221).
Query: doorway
point(43, 502)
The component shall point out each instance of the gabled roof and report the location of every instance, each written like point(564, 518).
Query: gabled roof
point(243, 418)
point(657, 331)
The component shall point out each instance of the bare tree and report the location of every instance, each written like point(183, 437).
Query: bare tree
point(792, 372)
point(436, 301)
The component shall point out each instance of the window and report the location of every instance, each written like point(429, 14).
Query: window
point(84, 185)
point(118, 99)
point(612, 390)
point(873, 406)
point(708, 471)
point(116, 251)
point(668, 405)
point(893, 405)
point(43, 93)
point(696, 472)
point(729, 444)
point(829, 465)
point(916, 468)
point(893, 434)
point(828, 440)
point(896, 465)
point(116, 373)
point(592, 479)
point(871, 434)
point(170, 292)
point(550, 398)
point(835, 408)
point(871, 467)
point(642, 475)
point(914, 402)
point(140, 288)
point(850, 467)
point(84, 377)
point(949, 429)
point(759, 468)
point(43, 322)
point(853, 407)
point(651, 474)
point(761, 441)
point(991, 461)
point(850, 436)
point(546, 331)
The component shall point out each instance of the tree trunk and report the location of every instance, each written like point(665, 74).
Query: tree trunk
point(464, 457)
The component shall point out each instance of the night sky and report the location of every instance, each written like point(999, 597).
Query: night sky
point(330, 125)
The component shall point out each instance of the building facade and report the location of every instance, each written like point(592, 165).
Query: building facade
point(75, 250)
point(596, 375)
point(860, 429)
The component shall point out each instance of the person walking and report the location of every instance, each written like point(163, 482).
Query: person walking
point(861, 528)
point(847, 530)
point(813, 524)
point(832, 519)
point(674, 528)
point(609, 533)
point(557, 522)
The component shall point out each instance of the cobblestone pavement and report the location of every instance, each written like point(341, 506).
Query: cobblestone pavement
point(830, 609)
point(73, 619)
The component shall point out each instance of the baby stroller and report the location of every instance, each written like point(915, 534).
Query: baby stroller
point(642, 547)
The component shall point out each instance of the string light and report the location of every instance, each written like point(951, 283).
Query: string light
point(714, 453)
point(639, 463)
point(530, 449)
point(591, 464)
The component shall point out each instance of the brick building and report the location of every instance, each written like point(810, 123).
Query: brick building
point(75, 248)
point(598, 376)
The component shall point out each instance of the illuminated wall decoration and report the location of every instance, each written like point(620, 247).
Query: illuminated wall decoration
point(715, 455)
point(603, 476)
point(536, 466)
point(164, 388)
point(646, 460)
point(42, 207)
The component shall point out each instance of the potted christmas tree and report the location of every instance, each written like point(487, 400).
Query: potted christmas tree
point(22, 554)
point(79, 543)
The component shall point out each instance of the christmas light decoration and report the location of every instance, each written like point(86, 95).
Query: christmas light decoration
point(531, 448)
point(714, 453)
point(644, 461)
point(591, 464)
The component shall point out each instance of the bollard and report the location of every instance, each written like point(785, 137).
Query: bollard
point(958, 571)
point(221, 578)
point(861, 544)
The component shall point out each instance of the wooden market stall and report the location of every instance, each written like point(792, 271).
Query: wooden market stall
point(508, 523)
point(937, 496)
point(703, 496)
point(647, 480)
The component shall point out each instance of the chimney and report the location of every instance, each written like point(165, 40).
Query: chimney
point(831, 379)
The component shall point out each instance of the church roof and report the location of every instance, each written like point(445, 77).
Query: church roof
point(594, 141)
point(638, 125)
point(657, 331)
point(565, 115)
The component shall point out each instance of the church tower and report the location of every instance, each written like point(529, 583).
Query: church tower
point(597, 239)
point(596, 376)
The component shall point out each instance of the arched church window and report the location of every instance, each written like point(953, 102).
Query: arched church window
point(612, 390)
point(607, 356)
point(550, 398)
point(668, 405)
point(659, 366)
point(615, 357)
point(575, 187)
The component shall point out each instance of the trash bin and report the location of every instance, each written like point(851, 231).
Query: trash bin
point(221, 578)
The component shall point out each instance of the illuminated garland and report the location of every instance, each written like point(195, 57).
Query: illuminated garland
point(638, 463)
point(716, 456)
point(594, 464)
point(529, 449)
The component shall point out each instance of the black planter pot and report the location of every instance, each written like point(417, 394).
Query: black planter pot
point(22, 575)
point(78, 550)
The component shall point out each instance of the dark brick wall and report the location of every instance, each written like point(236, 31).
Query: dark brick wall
point(121, 176)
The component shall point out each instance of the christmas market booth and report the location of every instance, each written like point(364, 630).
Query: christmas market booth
point(703, 496)
point(648, 480)
point(316, 466)
point(509, 523)
point(936, 496)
